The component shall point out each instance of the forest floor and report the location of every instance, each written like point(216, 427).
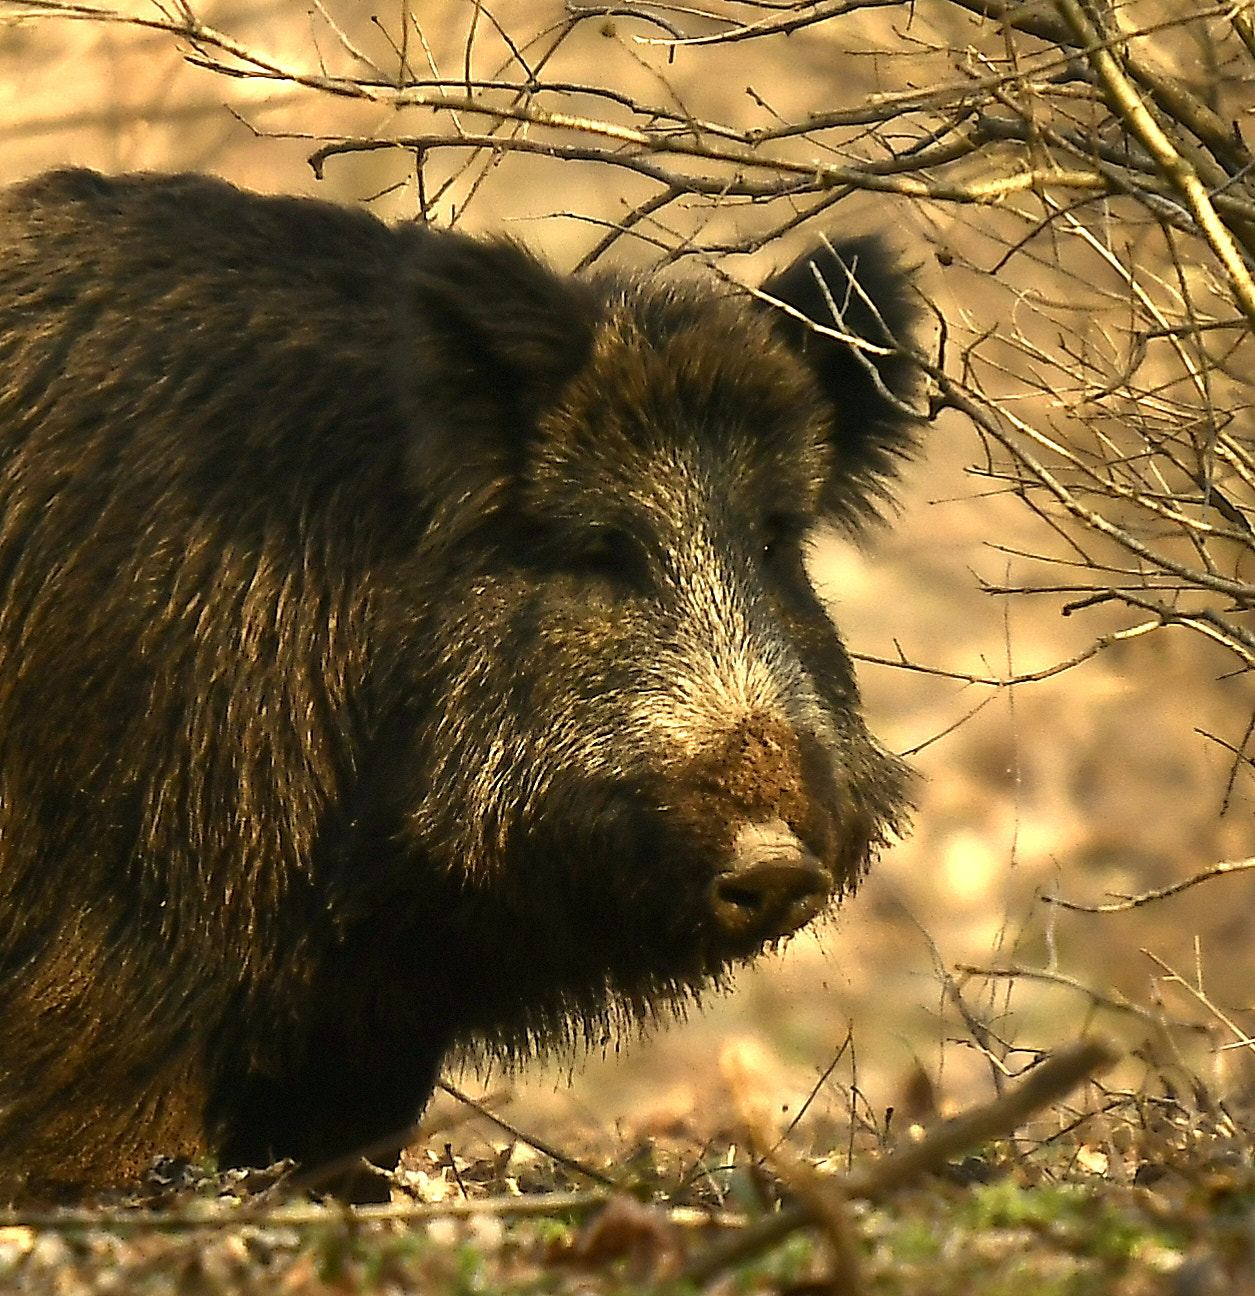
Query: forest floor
point(1062, 1182)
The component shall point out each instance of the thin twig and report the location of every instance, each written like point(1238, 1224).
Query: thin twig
point(553, 1153)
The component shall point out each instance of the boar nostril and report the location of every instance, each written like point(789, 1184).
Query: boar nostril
point(773, 887)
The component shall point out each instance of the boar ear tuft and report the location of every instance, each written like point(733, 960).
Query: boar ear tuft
point(857, 288)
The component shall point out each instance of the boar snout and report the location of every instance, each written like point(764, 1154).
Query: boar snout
point(773, 887)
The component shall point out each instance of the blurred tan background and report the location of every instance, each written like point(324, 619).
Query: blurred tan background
point(1099, 780)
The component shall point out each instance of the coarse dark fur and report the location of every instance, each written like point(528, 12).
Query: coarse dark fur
point(397, 642)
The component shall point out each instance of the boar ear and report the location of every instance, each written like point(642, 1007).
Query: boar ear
point(496, 334)
point(855, 287)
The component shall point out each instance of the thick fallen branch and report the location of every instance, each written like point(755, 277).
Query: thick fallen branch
point(1046, 1083)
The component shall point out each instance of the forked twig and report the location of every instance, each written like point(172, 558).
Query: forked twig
point(1159, 893)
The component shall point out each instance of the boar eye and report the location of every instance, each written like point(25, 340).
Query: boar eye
point(781, 535)
point(609, 553)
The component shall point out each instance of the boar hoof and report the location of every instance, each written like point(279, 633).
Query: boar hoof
point(775, 885)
